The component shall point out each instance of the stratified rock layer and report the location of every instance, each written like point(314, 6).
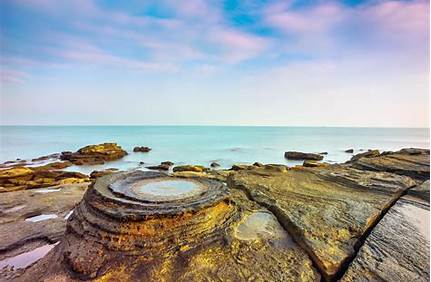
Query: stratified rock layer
point(95, 154)
point(147, 226)
point(327, 209)
point(410, 162)
point(397, 248)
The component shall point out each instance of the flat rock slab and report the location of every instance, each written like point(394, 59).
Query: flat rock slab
point(410, 162)
point(16, 207)
point(397, 248)
point(326, 210)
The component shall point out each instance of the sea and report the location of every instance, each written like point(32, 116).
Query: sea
point(226, 145)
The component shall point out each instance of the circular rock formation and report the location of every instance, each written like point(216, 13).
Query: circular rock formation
point(138, 218)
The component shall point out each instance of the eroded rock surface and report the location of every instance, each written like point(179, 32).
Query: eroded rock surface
point(293, 155)
point(410, 162)
point(397, 248)
point(326, 209)
point(21, 178)
point(148, 226)
point(95, 154)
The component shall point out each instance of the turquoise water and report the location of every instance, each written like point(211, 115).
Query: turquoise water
point(204, 144)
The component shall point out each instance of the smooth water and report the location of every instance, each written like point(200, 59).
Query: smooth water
point(168, 188)
point(204, 144)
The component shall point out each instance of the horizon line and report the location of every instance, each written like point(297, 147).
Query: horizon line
point(205, 125)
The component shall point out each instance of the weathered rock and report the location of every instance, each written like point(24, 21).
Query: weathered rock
point(21, 178)
point(123, 231)
point(15, 231)
point(310, 163)
point(326, 209)
point(98, 173)
point(410, 162)
point(397, 248)
point(368, 154)
point(95, 154)
point(350, 151)
point(162, 166)
point(258, 164)
point(421, 191)
point(141, 149)
point(214, 164)
point(292, 155)
point(195, 168)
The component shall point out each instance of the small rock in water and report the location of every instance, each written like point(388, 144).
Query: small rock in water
point(142, 149)
point(293, 155)
point(214, 164)
point(350, 151)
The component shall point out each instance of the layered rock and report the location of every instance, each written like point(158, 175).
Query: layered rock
point(410, 162)
point(398, 247)
point(153, 227)
point(95, 154)
point(326, 209)
point(293, 155)
point(21, 178)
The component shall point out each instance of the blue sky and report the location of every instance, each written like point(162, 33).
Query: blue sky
point(300, 63)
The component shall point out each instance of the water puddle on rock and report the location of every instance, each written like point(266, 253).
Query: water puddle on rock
point(49, 190)
point(167, 189)
point(14, 209)
point(68, 215)
point(260, 225)
point(41, 217)
point(26, 259)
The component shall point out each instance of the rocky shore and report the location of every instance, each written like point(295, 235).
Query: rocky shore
point(363, 220)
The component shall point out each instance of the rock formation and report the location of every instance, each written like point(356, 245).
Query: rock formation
point(95, 154)
point(125, 229)
point(141, 149)
point(20, 178)
point(292, 155)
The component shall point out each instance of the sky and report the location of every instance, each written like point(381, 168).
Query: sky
point(195, 62)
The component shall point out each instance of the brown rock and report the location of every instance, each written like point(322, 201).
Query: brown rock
point(368, 154)
point(292, 155)
point(410, 162)
point(195, 168)
point(141, 149)
point(95, 154)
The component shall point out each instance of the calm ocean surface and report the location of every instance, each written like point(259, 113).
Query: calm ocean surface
point(204, 144)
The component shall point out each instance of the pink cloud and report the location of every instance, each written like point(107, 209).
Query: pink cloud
point(9, 76)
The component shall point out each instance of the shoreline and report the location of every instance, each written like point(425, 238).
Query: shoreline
point(346, 207)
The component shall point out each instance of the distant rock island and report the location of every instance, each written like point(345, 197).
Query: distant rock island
point(363, 220)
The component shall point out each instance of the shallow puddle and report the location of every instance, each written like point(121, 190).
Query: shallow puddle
point(260, 225)
point(41, 217)
point(168, 188)
point(49, 190)
point(25, 259)
point(68, 215)
point(14, 209)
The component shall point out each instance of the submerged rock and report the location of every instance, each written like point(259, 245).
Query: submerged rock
point(410, 162)
point(141, 149)
point(292, 155)
point(125, 229)
point(350, 151)
point(95, 154)
point(214, 164)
